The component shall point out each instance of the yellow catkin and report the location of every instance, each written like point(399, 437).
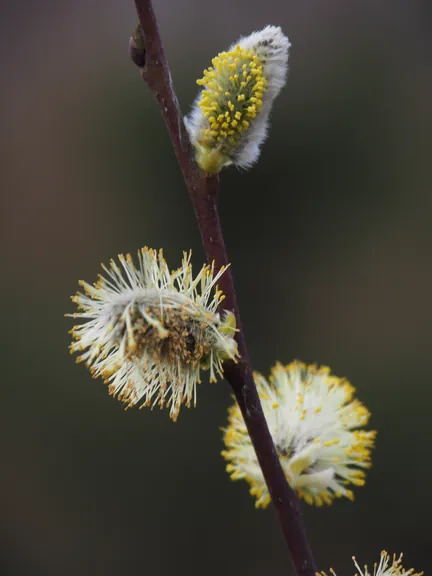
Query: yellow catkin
point(231, 99)
point(346, 453)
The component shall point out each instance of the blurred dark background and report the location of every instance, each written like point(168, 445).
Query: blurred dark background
point(337, 270)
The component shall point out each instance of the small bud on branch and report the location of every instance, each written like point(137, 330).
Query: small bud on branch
point(137, 50)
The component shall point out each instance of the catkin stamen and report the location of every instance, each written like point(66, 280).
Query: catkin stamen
point(149, 332)
point(312, 419)
point(232, 96)
point(228, 122)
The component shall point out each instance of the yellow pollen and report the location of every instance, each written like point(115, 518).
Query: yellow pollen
point(232, 89)
point(347, 452)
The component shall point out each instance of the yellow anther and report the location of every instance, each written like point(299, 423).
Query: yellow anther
point(221, 97)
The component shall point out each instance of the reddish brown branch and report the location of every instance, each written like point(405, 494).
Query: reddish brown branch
point(203, 191)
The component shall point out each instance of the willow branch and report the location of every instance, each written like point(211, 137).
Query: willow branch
point(147, 48)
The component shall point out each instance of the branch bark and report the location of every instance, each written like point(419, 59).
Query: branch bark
point(203, 191)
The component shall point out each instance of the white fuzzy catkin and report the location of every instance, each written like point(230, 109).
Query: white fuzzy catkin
point(229, 119)
point(314, 422)
point(387, 566)
point(148, 332)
